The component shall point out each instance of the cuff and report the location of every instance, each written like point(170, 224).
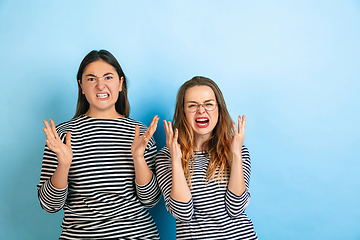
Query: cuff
point(180, 210)
point(51, 198)
point(236, 204)
point(149, 194)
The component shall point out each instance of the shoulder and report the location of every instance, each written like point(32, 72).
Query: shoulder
point(165, 151)
point(245, 156)
point(245, 151)
point(64, 127)
point(132, 123)
point(163, 155)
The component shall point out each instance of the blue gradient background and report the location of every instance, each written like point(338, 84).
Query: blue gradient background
point(292, 67)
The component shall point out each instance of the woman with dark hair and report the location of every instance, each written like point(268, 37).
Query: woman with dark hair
point(99, 166)
point(204, 170)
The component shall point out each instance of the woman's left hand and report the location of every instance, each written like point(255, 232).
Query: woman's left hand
point(239, 136)
point(140, 142)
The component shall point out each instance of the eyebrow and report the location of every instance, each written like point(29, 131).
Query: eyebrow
point(204, 101)
point(92, 75)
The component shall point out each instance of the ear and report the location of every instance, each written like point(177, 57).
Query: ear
point(82, 90)
point(121, 83)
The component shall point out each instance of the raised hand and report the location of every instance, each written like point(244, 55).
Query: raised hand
point(239, 136)
point(237, 181)
point(63, 151)
point(179, 187)
point(172, 142)
point(140, 142)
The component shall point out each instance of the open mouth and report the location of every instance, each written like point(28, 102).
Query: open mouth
point(102, 95)
point(202, 122)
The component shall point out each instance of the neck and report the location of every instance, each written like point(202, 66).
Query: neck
point(104, 114)
point(199, 143)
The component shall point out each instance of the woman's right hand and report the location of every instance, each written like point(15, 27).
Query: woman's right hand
point(179, 187)
point(172, 143)
point(63, 151)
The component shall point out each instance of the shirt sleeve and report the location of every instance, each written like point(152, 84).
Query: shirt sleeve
point(51, 199)
point(149, 194)
point(181, 211)
point(236, 205)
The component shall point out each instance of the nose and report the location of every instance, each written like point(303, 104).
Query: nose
point(201, 108)
point(100, 83)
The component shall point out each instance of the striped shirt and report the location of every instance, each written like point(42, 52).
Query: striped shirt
point(102, 200)
point(213, 212)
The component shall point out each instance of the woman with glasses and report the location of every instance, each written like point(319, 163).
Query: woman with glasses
point(98, 167)
point(204, 169)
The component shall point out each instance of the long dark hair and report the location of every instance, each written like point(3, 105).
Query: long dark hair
point(219, 142)
point(122, 105)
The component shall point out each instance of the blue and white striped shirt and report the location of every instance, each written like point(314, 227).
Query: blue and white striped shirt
point(213, 212)
point(102, 200)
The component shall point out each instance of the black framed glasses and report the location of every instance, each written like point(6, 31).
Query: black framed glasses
point(207, 105)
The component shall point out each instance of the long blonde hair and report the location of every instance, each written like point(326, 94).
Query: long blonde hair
point(219, 143)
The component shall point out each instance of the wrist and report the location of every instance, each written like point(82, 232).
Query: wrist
point(236, 157)
point(64, 166)
point(139, 158)
point(176, 164)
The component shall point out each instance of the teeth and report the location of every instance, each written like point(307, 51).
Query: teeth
point(201, 120)
point(103, 95)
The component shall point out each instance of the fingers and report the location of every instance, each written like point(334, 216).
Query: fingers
point(243, 124)
point(152, 128)
point(48, 144)
point(170, 136)
point(68, 138)
point(169, 133)
point(166, 132)
point(154, 121)
point(53, 128)
point(176, 134)
point(167, 128)
point(234, 128)
point(137, 131)
point(49, 135)
point(146, 136)
point(48, 131)
point(171, 129)
point(46, 124)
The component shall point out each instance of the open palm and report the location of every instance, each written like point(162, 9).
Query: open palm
point(140, 142)
point(63, 151)
point(239, 136)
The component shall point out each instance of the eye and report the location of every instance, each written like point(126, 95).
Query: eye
point(210, 104)
point(91, 79)
point(108, 77)
point(192, 105)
